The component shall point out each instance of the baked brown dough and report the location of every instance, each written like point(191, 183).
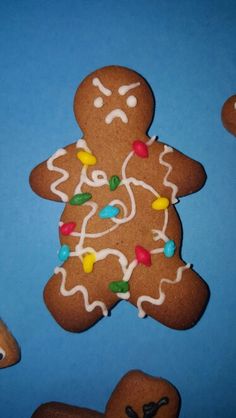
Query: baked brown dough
point(228, 114)
point(137, 395)
point(9, 349)
point(120, 233)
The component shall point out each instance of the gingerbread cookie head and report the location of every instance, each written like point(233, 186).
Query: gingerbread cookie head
point(9, 349)
point(228, 114)
point(114, 98)
point(139, 395)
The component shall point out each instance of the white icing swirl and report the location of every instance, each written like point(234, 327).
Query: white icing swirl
point(99, 179)
point(64, 173)
point(166, 182)
point(160, 300)
point(82, 289)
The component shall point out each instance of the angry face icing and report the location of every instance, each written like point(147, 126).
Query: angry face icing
point(110, 102)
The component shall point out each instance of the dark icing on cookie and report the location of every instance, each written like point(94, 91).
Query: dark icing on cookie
point(149, 410)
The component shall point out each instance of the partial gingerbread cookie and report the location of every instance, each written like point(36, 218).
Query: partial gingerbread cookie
point(228, 114)
point(9, 349)
point(120, 233)
point(137, 395)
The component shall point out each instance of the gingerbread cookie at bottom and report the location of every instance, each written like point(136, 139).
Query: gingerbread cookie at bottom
point(9, 348)
point(137, 395)
point(228, 114)
point(120, 233)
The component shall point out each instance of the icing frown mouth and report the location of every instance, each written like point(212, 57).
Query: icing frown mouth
point(116, 113)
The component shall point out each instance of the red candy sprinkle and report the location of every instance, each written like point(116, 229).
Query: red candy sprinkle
point(67, 228)
point(140, 148)
point(143, 256)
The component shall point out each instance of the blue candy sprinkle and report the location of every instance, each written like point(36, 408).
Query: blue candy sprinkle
point(109, 212)
point(64, 252)
point(169, 248)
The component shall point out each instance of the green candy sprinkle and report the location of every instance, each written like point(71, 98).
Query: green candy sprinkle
point(114, 182)
point(119, 287)
point(80, 198)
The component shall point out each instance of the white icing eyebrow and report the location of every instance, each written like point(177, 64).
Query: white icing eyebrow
point(124, 89)
point(102, 88)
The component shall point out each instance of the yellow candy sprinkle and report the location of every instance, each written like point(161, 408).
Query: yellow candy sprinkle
point(88, 262)
point(86, 158)
point(160, 203)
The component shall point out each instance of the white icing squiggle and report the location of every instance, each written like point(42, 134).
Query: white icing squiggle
point(97, 83)
point(124, 89)
point(98, 179)
point(79, 288)
point(160, 300)
point(166, 182)
point(65, 174)
point(116, 113)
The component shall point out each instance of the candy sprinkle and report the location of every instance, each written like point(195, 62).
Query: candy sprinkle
point(88, 262)
point(161, 203)
point(140, 148)
point(67, 228)
point(119, 286)
point(80, 198)
point(109, 212)
point(114, 182)
point(64, 252)
point(169, 248)
point(143, 256)
point(86, 158)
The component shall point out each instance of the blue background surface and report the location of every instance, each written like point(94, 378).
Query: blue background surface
point(187, 51)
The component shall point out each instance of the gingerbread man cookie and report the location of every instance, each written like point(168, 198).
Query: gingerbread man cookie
point(228, 114)
point(120, 233)
point(9, 349)
point(137, 395)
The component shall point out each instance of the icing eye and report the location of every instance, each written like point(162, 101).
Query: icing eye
point(2, 354)
point(98, 102)
point(131, 101)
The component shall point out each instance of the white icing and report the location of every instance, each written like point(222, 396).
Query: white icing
point(98, 102)
point(82, 289)
point(97, 83)
point(131, 101)
point(99, 179)
point(3, 352)
point(160, 300)
point(116, 113)
point(235, 105)
point(64, 173)
point(161, 234)
point(124, 89)
point(166, 182)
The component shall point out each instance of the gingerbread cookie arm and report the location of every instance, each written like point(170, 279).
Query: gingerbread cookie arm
point(186, 174)
point(9, 349)
point(56, 178)
point(139, 395)
point(61, 410)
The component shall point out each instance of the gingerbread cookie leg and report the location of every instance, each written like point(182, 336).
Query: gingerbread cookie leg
point(78, 300)
point(9, 349)
point(174, 294)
